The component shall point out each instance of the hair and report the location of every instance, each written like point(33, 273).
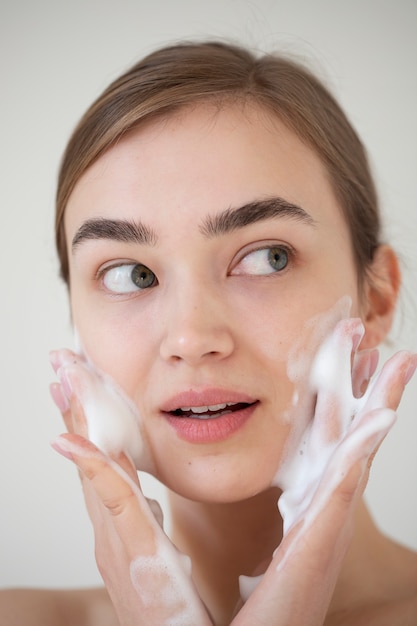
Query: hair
point(186, 74)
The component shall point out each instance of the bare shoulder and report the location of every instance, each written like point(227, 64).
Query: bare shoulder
point(394, 613)
point(55, 607)
point(384, 590)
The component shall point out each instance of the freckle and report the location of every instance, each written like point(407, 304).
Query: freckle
point(301, 452)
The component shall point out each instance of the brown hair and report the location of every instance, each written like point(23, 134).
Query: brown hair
point(187, 73)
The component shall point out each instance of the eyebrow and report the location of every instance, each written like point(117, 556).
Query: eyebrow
point(136, 232)
point(260, 210)
point(128, 231)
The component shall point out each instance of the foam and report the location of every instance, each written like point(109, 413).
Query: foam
point(163, 583)
point(331, 429)
point(319, 368)
point(162, 579)
point(113, 421)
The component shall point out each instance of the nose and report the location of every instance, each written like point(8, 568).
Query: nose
point(197, 328)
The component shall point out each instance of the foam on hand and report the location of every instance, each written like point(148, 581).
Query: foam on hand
point(331, 429)
point(164, 584)
point(113, 421)
point(162, 579)
point(335, 406)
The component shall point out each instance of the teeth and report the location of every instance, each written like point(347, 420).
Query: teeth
point(205, 409)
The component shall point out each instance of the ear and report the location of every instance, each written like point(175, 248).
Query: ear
point(380, 296)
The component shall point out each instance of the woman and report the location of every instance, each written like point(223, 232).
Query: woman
point(218, 229)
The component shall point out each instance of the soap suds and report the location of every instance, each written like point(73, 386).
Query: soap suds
point(163, 583)
point(330, 381)
point(328, 430)
point(113, 421)
point(331, 428)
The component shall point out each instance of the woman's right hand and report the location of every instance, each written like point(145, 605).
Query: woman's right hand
point(148, 580)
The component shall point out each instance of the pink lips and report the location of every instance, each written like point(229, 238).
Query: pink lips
point(208, 416)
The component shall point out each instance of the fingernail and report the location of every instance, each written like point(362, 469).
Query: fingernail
point(356, 339)
point(60, 445)
point(59, 397)
point(411, 369)
point(65, 382)
point(54, 361)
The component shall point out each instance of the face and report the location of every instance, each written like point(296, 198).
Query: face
point(201, 247)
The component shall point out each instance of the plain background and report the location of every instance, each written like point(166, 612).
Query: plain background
point(56, 56)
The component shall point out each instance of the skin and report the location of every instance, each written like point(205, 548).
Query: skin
point(204, 307)
point(223, 325)
point(317, 535)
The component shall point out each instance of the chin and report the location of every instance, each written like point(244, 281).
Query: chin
point(213, 487)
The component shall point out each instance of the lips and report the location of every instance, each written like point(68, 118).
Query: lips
point(211, 411)
point(209, 416)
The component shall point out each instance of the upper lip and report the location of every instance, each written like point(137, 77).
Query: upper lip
point(205, 398)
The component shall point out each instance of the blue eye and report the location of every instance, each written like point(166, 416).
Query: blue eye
point(128, 278)
point(263, 261)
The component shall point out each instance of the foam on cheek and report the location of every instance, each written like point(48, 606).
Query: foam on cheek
point(326, 442)
point(317, 329)
point(114, 424)
point(329, 376)
point(321, 371)
point(113, 421)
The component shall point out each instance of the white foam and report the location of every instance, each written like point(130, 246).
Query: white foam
point(325, 438)
point(113, 421)
point(163, 583)
point(330, 381)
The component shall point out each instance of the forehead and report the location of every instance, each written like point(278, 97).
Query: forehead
point(205, 158)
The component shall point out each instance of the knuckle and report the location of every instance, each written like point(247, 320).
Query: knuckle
point(117, 505)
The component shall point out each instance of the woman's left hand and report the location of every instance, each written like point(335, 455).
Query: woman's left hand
point(324, 477)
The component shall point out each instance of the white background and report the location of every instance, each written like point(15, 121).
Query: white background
point(56, 56)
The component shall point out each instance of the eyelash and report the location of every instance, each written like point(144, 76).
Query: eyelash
point(246, 254)
point(105, 271)
point(144, 272)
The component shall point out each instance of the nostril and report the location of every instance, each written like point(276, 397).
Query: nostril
point(196, 347)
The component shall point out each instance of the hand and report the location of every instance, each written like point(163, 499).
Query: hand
point(323, 478)
point(320, 493)
point(148, 580)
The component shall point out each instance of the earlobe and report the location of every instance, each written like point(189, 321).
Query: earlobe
point(381, 295)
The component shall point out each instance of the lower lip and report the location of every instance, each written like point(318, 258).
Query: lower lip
point(210, 430)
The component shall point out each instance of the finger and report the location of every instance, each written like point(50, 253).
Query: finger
point(364, 366)
point(331, 378)
point(388, 388)
point(305, 565)
point(111, 418)
point(62, 392)
point(160, 576)
point(59, 397)
point(309, 558)
point(65, 406)
point(64, 357)
point(118, 493)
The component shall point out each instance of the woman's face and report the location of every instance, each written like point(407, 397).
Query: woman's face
point(200, 248)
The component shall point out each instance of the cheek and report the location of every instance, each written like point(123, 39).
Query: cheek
point(273, 320)
point(116, 344)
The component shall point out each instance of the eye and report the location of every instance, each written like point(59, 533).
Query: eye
point(268, 260)
point(127, 278)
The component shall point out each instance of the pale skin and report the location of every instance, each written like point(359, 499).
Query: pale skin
point(226, 325)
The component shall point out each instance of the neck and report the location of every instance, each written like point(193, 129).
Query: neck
point(225, 541)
